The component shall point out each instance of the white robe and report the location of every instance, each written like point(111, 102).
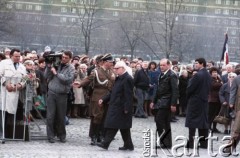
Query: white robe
point(8, 73)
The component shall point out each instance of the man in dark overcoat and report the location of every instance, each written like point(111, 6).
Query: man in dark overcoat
point(197, 107)
point(119, 114)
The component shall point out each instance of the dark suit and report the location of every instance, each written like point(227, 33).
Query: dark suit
point(167, 94)
point(120, 100)
point(197, 108)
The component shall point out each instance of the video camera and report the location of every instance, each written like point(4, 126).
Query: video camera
point(53, 58)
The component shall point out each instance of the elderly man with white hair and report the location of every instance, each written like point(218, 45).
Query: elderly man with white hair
point(119, 114)
point(229, 69)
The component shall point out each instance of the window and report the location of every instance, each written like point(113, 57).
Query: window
point(195, 1)
point(218, 21)
point(235, 2)
point(73, 10)
point(186, 8)
point(73, 1)
point(225, 22)
point(218, 1)
point(167, 7)
point(115, 13)
point(73, 20)
point(18, 6)
point(116, 3)
point(38, 18)
point(82, 11)
point(227, 2)
point(125, 4)
point(63, 19)
point(194, 19)
point(63, 9)
point(64, 1)
point(29, 7)
point(234, 32)
point(194, 9)
point(233, 23)
point(235, 12)
point(217, 11)
point(134, 5)
point(233, 41)
point(226, 12)
point(38, 7)
point(9, 6)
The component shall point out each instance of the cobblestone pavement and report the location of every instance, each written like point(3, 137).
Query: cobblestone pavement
point(78, 142)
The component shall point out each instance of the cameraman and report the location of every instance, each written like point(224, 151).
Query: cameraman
point(59, 84)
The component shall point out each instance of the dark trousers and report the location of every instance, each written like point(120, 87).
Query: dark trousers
point(201, 132)
point(56, 112)
point(125, 133)
point(162, 119)
point(213, 111)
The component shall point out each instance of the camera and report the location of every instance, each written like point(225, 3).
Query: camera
point(53, 58)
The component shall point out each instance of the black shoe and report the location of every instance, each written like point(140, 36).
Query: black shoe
point(144, 116)
point(93, 141)
point(172, 120)
point(126, 148)
point(51, 140)
point(101, 145)
point(63, 140)
point(225, 132)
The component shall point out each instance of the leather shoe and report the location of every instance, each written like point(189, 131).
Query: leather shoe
point(101, 145)
point(51, 140)
point(63, 140)
point(126, 148)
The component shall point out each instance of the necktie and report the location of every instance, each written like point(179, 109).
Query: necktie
point(16, 65)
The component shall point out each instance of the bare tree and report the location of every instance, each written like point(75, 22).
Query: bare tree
point(162, 17)
point(6, 18)
point(87, 13)
point(132, 28)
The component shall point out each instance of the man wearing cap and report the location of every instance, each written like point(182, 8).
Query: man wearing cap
point(102, 80)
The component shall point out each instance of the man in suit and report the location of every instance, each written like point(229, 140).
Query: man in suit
point(197, 107)
point(165, 102)
point(119, 114)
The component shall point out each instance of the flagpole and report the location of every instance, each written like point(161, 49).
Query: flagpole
point(220, 62)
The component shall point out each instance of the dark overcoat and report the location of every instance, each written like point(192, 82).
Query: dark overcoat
point(121, 98)
point(197, 95)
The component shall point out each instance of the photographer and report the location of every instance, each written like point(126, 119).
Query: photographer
point(59, 80)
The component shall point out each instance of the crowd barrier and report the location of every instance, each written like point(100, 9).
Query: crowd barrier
point(16, 109)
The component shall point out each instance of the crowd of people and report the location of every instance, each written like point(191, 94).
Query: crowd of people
point(111, 91)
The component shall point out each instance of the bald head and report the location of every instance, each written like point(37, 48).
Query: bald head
point(164, 64)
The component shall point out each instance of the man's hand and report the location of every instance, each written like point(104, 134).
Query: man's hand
point(125, 111)
point(76, 84)
point(19, 86)
point(151, 105)
point(10, 87)
point(173, 108)
point(54, 71)
point(231, 105)
point(224, 103)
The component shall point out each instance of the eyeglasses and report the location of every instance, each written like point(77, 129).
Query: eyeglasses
point(231, 76)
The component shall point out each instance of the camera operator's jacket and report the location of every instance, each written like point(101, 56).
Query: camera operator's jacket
point(62, 82)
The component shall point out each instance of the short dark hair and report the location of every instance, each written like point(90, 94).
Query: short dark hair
point(2, 56)
point(152, 63)
point(212, 62)
point(201, 61)
point(213, 69)
point(68, 53)
point(14, 50)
